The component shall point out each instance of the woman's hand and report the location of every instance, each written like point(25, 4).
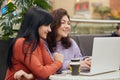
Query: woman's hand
point(86, 63)
point(21, 75)
point(58, 57)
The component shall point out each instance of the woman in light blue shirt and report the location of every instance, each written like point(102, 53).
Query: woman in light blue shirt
point(59, 41)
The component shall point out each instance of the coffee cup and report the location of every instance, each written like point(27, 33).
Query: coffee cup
point(75, 66)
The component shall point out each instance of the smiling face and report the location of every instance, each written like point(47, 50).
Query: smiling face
point(43, 31)
point(64, 28)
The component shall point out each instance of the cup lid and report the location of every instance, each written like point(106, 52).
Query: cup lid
point(75, 59)
point(74, 63)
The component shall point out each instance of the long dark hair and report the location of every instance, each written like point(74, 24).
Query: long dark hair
point(51, 38)
point(33, 19)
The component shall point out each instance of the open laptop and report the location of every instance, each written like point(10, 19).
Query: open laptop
point(105, 55)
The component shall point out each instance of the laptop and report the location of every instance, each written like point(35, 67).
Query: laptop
point(105, 55)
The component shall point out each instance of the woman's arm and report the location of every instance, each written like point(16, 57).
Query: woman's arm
point(41, 64)
point(86, 63)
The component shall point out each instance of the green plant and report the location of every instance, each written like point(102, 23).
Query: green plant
point(15, 12)
point(102, 11)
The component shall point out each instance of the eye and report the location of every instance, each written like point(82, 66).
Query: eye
point(68, 23)
point(62, 22)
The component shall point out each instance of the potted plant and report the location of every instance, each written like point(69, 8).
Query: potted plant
point(102, 11)
point(12, 14)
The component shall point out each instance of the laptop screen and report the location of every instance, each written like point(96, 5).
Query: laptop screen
point(105, 54)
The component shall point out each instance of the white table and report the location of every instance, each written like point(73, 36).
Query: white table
point(106, 76)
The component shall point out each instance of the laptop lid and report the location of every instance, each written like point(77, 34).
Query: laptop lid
point(105, 55)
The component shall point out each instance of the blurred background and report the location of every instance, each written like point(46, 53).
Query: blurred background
point(83, 11)
point(89, 9)
point(87, 16)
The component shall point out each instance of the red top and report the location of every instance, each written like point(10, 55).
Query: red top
point(41, 65)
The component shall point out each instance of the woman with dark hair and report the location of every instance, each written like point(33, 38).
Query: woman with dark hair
point(59, 41)
point(27, 52)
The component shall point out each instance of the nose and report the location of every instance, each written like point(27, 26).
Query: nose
point(49, 28)
point(67, 26)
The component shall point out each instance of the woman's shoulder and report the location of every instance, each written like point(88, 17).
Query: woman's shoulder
point(19, 41)
point(72, 40)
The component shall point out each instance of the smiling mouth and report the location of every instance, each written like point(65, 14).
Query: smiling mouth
point(66, 31)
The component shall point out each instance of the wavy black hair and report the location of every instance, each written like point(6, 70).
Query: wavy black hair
point(33, 19)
